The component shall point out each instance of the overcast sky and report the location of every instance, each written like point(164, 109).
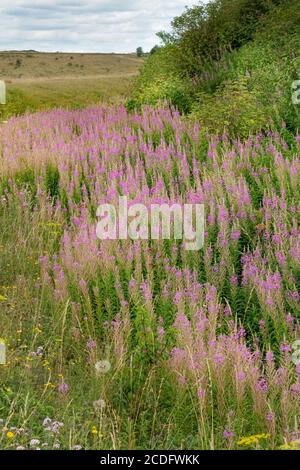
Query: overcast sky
point(85, 25)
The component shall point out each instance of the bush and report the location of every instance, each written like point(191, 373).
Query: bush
point(158, 81)
point(233, 108)
point(165, 89)
point(241, 88)
point(270, 75)
point(204, 33)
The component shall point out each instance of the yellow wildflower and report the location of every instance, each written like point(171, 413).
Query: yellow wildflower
point(293, 445)
point(94, 430)
point(10, 435)
point(249, 440)
point(49, 385)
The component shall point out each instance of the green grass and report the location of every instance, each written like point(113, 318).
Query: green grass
point(45, 81)
point(67, 93)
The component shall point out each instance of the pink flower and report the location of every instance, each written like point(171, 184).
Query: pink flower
point(91, 344)
point(63, 388)
point(262, 324)
point(285, 347)
point(235, 235)
point(262, 385)
point(240, 376)
point(295, 389)
point(227, 311)
point(289, 319)
point(269, 356)
point(270, 416)
point(219, 358)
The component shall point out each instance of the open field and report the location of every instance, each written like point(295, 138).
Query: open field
point(37, 81)
point(17, 65)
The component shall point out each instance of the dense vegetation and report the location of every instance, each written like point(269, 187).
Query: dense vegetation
point(143, 344)
point(39, 81)
point(229, 64)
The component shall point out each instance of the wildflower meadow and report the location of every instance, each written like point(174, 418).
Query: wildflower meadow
point(134, 344)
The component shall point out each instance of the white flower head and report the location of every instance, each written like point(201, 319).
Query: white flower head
point(34, 442)
point(102, 367)
point(99, 405)
point(77, 447)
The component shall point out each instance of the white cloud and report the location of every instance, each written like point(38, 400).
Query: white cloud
point(85, 25)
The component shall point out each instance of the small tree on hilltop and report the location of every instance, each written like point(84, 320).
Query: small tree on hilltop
point(139, 52)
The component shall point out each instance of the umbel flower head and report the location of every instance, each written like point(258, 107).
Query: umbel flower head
point(99, 405)
point(102, 367)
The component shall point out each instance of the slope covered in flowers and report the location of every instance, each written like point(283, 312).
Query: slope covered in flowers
point(144, 344)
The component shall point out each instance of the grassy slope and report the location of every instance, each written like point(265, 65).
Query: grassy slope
point(37, 81)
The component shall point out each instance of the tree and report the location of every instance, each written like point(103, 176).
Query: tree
point(154, 49)
point(139, 52)
point(204, 33)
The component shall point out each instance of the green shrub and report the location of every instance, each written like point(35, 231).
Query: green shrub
point(270, 75)
point(233, 108)
point(158, 81)
point(170, 89)
point(204, 33)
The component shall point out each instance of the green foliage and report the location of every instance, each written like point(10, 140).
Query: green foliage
point(234, 108)
point(154, 49)
point(17, 104)
point(139, 52)
point(52, 181)
point(281, 24)
point(159, 64)
point(25, 180)
point(170, 89)
point(158, 81)
point(269, 76)
point(203, 33)
point(222, 63)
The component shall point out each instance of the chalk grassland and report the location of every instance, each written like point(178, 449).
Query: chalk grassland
point(38, 81)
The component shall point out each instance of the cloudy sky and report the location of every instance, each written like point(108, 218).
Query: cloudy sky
point(85, 25)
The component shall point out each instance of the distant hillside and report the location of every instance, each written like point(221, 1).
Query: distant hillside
point(31, 64)
point(39, 81)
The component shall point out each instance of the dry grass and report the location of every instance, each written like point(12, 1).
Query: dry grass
point(29, 65)
point(46, 80)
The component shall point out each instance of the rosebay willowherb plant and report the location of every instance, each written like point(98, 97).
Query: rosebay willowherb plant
point(197, 346)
